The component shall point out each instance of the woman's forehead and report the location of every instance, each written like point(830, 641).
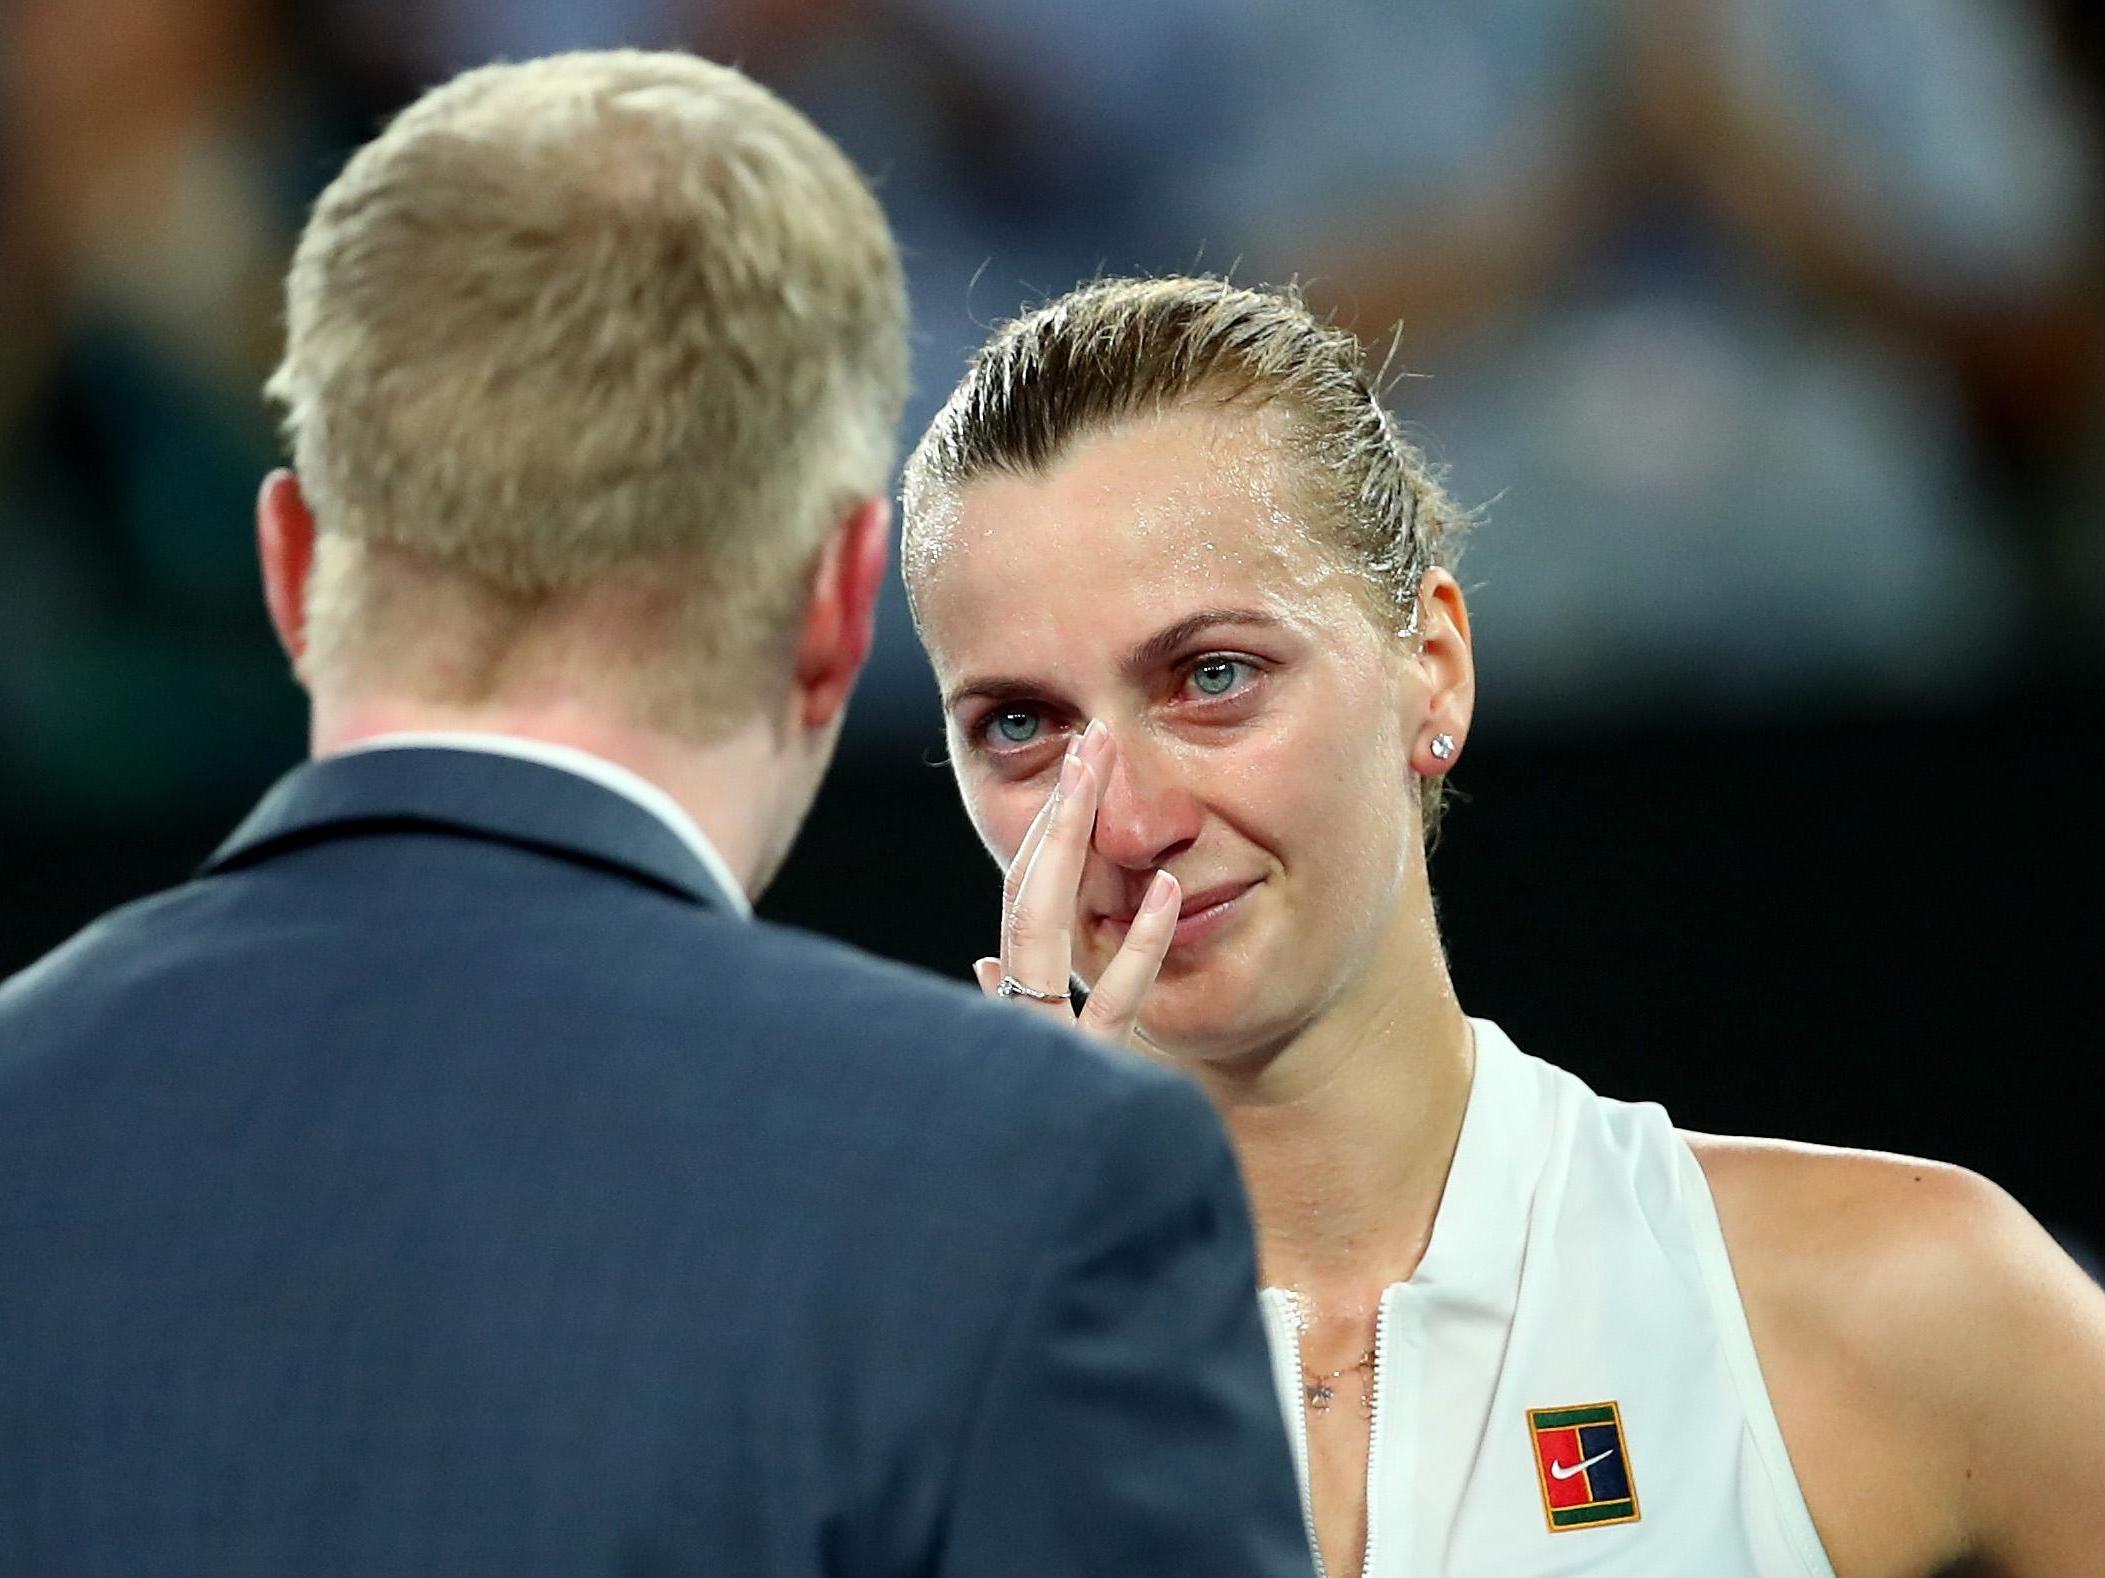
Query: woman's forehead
point(1141, 524)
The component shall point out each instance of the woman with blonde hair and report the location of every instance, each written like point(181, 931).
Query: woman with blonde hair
point(1188, 595)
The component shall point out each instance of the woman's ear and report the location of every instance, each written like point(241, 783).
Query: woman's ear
point(1447, 666)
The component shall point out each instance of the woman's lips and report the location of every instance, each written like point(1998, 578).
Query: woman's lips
point(1200, 916)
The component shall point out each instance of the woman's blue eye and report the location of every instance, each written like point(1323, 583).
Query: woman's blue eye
point(1016, 728)
point(1216, 676)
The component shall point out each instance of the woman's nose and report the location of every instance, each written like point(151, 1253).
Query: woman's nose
point(1147, 815)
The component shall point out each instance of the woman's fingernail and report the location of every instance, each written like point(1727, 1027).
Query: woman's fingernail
point(1162, 887)
point(1070, 774)
point(1093, 737)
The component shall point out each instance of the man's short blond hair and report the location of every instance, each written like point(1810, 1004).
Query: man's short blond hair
point(1116, 349)
point(620, 317)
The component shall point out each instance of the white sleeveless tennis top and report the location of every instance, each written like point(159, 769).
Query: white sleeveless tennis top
point(1566, 1384)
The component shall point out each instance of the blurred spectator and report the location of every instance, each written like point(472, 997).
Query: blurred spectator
point(1719, 299)
point(155, 159)
point(407, 46)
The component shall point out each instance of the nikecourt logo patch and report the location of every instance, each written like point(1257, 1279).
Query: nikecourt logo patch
point(1559, 1471)
point(1583, 1464)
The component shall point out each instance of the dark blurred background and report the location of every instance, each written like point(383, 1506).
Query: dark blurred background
point(1768, 334)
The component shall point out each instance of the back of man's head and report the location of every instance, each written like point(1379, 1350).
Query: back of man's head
point(617, 322)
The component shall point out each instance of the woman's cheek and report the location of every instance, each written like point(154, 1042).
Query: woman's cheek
point(1326, 794)
point(1289, 771)
point(1002, 813)
point(982, 809)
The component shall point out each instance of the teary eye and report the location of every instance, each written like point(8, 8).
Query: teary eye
point(1216, 676)
point(1014, 726)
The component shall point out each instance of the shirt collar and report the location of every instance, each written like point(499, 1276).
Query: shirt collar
point(630, 785)
point(1480, 1228)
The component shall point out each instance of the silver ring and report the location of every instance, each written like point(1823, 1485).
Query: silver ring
point(1011, 987)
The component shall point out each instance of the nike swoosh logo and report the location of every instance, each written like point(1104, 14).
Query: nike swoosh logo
point(1559, 1471)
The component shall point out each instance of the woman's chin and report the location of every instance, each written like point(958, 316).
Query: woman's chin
point(1219, 1008)
point(1210, 1033)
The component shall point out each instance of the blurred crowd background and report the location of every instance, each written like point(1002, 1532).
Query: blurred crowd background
point(1767, 335)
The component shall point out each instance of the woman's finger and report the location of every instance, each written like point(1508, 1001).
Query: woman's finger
point(1114, 1003)
point(1012, 879)
point(1037, 943)
point(988, 973)
point(1038, 931)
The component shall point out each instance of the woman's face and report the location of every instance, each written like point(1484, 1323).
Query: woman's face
point(1161, 578)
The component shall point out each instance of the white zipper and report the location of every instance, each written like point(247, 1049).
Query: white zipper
point(1300, 1435)
point(1374, 1479)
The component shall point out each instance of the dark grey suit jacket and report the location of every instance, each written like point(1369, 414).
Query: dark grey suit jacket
point(449, 1182)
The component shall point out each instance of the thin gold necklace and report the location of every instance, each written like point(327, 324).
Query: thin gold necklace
point(1320, 1391)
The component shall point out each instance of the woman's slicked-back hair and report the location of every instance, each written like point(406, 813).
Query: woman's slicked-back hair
point(1117, 349)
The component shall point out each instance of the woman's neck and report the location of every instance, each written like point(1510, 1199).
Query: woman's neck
point(1346, 1134)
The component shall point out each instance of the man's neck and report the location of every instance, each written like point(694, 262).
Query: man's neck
point(1346, 1135)
point(729, 788)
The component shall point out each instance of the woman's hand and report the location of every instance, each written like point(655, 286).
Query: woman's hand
point(1038, 902)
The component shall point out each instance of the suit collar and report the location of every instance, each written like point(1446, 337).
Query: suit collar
point(601, 770)
point(478, 794)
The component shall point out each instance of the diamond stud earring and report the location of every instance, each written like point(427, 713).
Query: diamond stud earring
point(1443, 746)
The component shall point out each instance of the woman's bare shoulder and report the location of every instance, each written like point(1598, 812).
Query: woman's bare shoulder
point(1828, 1207)
point(1912, 1309)
point(1882, 1258)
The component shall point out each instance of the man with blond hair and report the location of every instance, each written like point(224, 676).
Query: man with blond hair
point(454, 1178)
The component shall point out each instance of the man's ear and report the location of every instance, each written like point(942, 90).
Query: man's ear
point(285, 544)
point(840, 620)
point(1447, 666)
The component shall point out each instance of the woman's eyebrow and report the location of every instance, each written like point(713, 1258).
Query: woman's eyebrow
point(996, 687)
point(1155, 650)
point(1164, 643)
